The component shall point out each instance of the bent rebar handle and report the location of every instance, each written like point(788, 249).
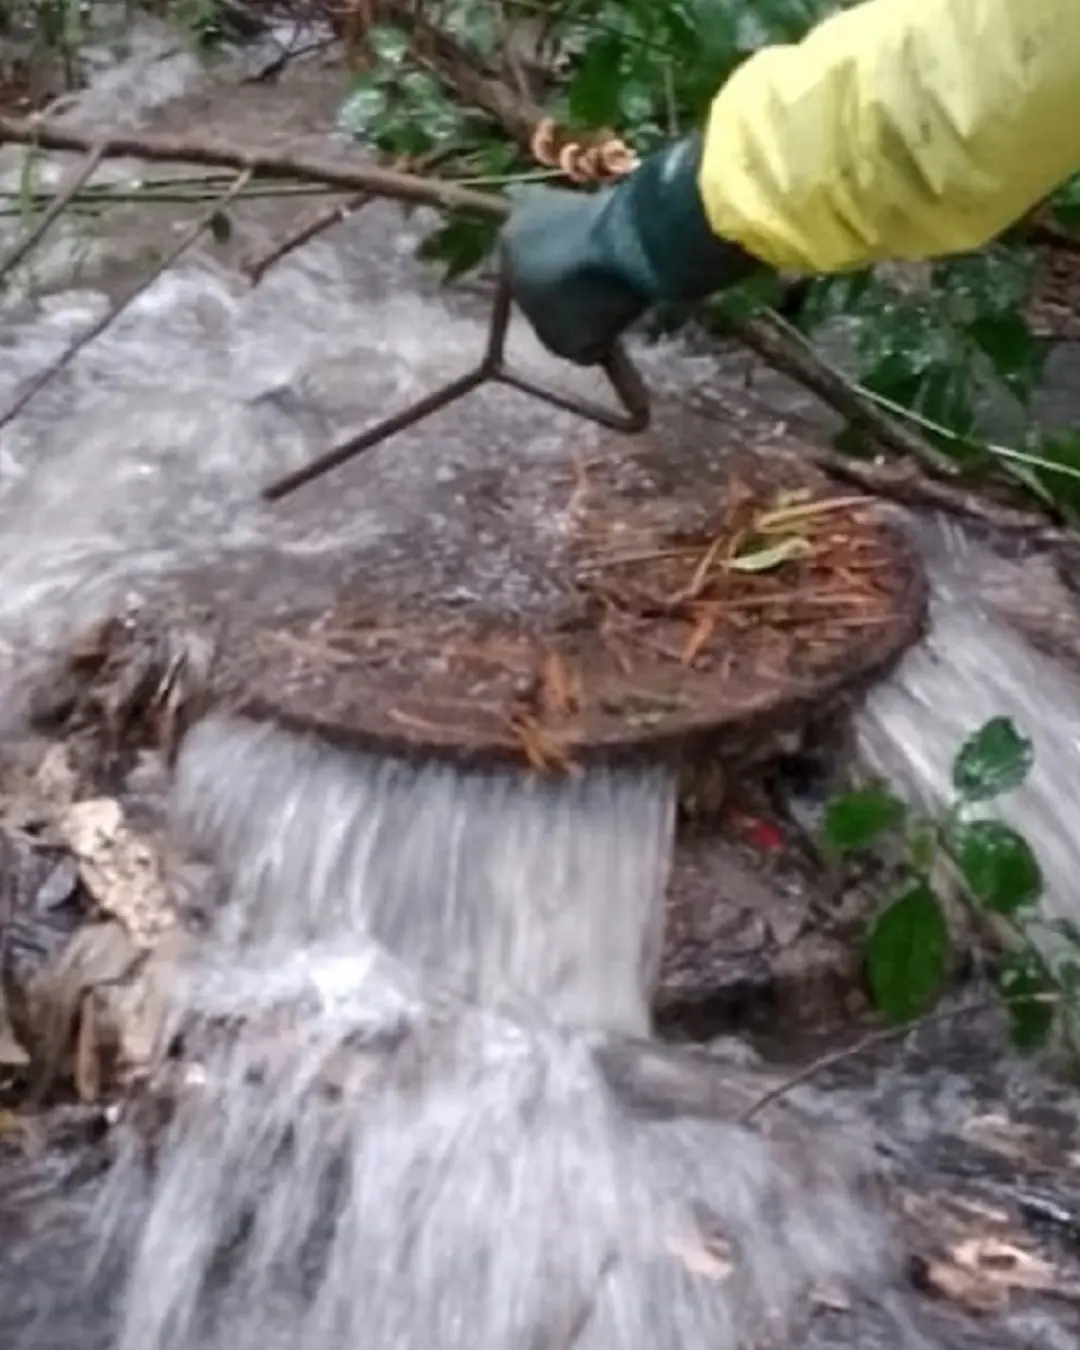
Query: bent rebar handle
point(627, 384)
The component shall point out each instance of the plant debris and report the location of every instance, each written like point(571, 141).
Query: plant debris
point(699, 619)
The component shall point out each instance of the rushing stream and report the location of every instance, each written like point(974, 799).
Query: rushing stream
point(424, 1151)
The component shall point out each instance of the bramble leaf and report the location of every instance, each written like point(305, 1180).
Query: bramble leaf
point(855, 820)
point(997, 864)
point(995, 759)
point(906, 954)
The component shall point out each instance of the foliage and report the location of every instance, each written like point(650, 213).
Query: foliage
point(649, 71)
point(908, 945)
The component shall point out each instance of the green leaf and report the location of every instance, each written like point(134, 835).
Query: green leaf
point(855, 820)
point(460, 245)
point(923, 846)
point(997, 864)
point(906, 954)
point(594, 92)
point(1065, 204)
point(763, 290)
point(995, 760)
point(388, 44)
point(364, 104)
point(1061, 449)
point(1031, 1000)
point(1012, 349)
point(770, 556)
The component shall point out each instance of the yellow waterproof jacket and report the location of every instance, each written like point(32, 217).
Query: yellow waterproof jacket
point(897, 129)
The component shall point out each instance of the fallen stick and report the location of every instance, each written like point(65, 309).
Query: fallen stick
point(303, 234)
point(313, 225)
point(901, 479)
point(96, 329)
point(349, 176)
point(770, 338)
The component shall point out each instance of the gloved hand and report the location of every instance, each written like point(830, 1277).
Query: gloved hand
point(584, 266)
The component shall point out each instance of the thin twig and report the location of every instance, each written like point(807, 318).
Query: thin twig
point(60, 202)
point(96, 329)
point(872, 1041)
point(314, 225)
point(787, 351)
point(899, 479)
point(345, 174)
point(304, 233)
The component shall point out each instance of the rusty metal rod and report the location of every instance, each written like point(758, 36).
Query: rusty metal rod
point(626, 381)
point(368, 439)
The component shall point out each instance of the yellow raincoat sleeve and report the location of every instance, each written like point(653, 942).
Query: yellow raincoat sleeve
point(897, 129)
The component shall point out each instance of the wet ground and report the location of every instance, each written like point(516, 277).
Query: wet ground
point(146, 457)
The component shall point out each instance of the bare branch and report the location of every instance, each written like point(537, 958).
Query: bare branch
point(96, 329)
point(872, 1041)
point(349, 176)
point(303, 233)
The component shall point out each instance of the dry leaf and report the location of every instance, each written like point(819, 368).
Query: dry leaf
point(830, 1296)
point(56, 780)
point(560, 695)
point(980, 1273)
point(12, 1054)
point(1006, 1264)
point(120, 871)
point(963, 1287)
point(699, 636)
point(87, 1069)
point(100, 954)
point(711, 1257)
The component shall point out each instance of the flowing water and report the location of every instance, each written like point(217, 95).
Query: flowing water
point(407, 1138)
point(422, 1148)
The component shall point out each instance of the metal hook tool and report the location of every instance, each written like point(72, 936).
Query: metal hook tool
point(623, 376)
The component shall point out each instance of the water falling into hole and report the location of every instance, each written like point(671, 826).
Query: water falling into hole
point(402, 1132)
point(504, 886)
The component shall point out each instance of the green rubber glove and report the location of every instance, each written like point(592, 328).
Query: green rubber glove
point(584, 266)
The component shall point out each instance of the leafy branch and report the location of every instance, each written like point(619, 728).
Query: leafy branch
point(474, 75)
point(999, 881)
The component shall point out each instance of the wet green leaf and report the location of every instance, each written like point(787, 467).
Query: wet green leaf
point(459, 245)
point(906, 954)
point(855, 820)
point(389, 45)
point(1065, 204)
point(770, 556)
point(997, 864)
point(995, 760)
point(364, 104)
point(594, 92)
point(1031, 1001)
point(1012, 349)
point(923, 842)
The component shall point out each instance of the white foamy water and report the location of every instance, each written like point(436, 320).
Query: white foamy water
point(508, 888)
point(404, 1136)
